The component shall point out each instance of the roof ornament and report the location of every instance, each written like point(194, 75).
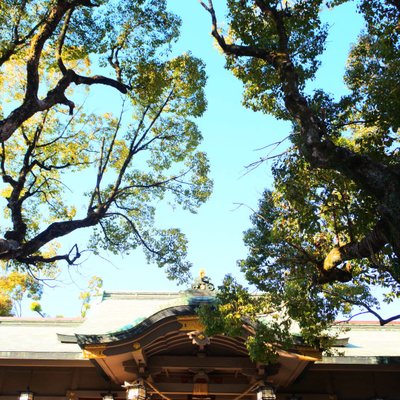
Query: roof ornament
point(199, 339)
point(203, 282)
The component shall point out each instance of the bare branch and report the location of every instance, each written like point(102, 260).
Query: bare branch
point(252, 166)
point(135, 148)
point(174, 178)
point(105, 157)
point(137, 233)
point(359, 303)
point(96, 193)
point(234, 49)
point(71, 257)
point(114, 62)
point(61, 40)
point(62, 134)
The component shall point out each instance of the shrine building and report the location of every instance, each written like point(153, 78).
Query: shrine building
point(151, 346)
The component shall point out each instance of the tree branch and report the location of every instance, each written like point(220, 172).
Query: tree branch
point(31, 103)
point(233, 49)
point(19, 42)
point(61, 40)
point(315, 145)
point(137, 233)
point(73, 255)
point(377, 179)
point(359, 303)
point(54, 231)
point(366, 247)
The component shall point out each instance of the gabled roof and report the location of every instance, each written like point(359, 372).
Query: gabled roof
point(129, 334)
point(158, 337)
point(121, 312)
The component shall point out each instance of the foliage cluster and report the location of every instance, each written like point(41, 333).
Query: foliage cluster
point(64, 166)
point(14, 286)
point(327, 234)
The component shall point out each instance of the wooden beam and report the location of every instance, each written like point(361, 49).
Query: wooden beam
point(208, 362)
point(228, 389)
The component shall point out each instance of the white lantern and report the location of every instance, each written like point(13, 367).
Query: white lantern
point(27, 395)
point(135, 390)
point(266, 392)
point(108, 396)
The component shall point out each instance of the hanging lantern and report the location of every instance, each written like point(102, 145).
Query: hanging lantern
point(27, 395)
point(135, 390)
point(266, 392)
point(108, 396)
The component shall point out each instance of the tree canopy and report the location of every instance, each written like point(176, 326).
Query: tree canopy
point(65, 167)
point(329, 229)
point(14, 286)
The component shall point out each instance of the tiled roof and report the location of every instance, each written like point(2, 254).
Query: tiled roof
point(119, 311)
point(123, 310)
point(368, 338)
point(20, 338)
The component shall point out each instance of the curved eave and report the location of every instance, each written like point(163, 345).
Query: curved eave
point(169, 347)
point(137, 330)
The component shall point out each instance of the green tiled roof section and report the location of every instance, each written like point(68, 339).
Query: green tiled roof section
point(122, 311)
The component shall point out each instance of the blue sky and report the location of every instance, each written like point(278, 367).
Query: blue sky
point(232, 136)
